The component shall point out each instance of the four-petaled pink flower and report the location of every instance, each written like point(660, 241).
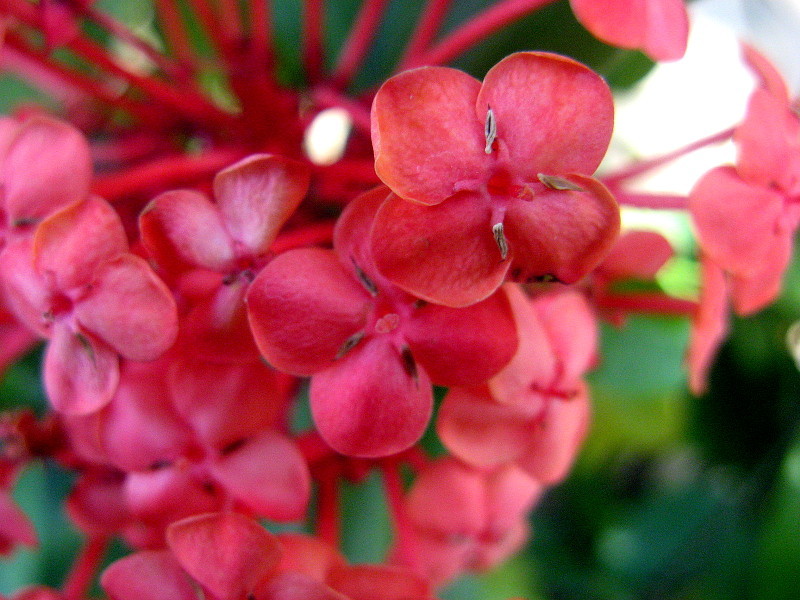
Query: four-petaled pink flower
point(492, 180)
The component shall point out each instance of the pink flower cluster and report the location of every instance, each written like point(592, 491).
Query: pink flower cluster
point(462, 241)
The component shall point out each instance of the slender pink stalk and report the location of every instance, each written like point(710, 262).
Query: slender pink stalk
point(162, 173)
point(644, 166)
point(261, 30)
point(231, 20)
point(644, 200)
point(477, 29)
point(328, 521)
point(358, 42)
point(648, 303)
point(85, 568)
point(428, 26)
point(313, 51)
point(208, 20)
point(393, 486)
point(175, 32)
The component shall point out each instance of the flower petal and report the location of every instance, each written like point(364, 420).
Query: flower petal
point(148, 575)
point(425, 137)
point(709, 325)
point(303, 307)
point(257, 195)
point(463, 346)
point(81, 373)
point(553, 114)
point(562, 233)
point(372, 402)
point(445, 254)
point(131, 309)
point(183, 228)
point(227, 553)
point(379, 582)
point(47, 167)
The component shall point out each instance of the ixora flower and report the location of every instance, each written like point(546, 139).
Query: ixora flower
point(492, 180)
point(372, 349)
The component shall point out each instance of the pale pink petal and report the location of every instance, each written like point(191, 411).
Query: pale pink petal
point(660, 28)
point(446, 254)
point(425, 136)
point(47, 166)
point(267, 474)
point(553, 115)
point(75, 243)
point(131, 309)
point(148, 575)
point(26, 293)
point(296, 586)
point(81, 373)
point(483, 432)
point(227, 553)
point(379, 582)
point(555, 442)
point(562, 234)
point(373, 402)
point(171, 492)
point(308, 555)
point(709, 325)
point(636, 255)
point(257, 195)
point(463, 346)
point(351, 237)
point(769, 77)
point(303, 307)
point(183, 228)
point(736, 222)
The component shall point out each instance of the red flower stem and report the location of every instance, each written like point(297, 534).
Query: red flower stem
point(182, 102)
point(647, 303)
point(477, 29)
point(85, 84)
point(162, 173)
point(642, 167)
point(313, 447)
point(358, 42)
point(428, 26)
point(327, 97)
point(209, 24)
point(313, 15)
point(393, 487)
point(261, 30)
point(659, 201)
point(121, 31)
point(175, 32)
point(308, 235)
point(328, 514)
point(231, 18)
point(85, 568)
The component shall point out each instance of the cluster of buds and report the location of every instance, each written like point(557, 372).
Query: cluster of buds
point(191, 269)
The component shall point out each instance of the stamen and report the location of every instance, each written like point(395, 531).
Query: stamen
point(409, 364)
point(490, 131)
point(364, 279)
point(351, 343)
point(500, 238)
point(559, 183)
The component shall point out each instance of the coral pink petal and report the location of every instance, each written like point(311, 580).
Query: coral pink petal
point(96, 503)
point(755, 291)
point(445, 254)
point(709, 325)
point(15, 339)
point(572, 329)
point(183, 228)
point(267, 474)
point(463, 346)
point(769, 148)
point(553, 115)
point(73, 244)
point(534, 363)
point(379, 582)
point(482, 432)
point(26, 294)
point(554, 444)
point(131, 309)
point(296, 586)
point(81, 373)
point(168, 493)
point(148, 575)
point(15, 527)
point(303, 307)
point(769, 77)
point(206, 394)
point(510, 495)
point(660, 28)
point(308, 555)
point(351, 237)
point(637, 255)
point(372, 402)
point(227, 553)
point(562, 233)
point(736, 222)
point(47, 166)
point(425, 135)
point(257, 195)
